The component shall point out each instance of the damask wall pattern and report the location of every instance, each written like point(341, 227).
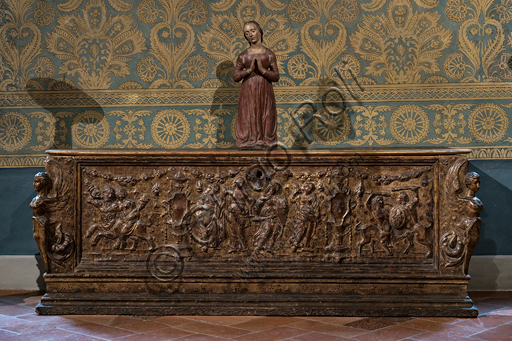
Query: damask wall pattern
point(157, 74)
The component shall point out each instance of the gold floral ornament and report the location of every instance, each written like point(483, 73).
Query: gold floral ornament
point(172, 43)
point(409, 124)
point(197, 68)
point(346, 11)
point(334, 128)
point(44, 13)
point(44, 68)
point(481, 39)
point(502, 11)
point(456, 10)
point(323, 43)
point(285, 81)
point(436, 80)
point(501, 69)
point(375, 5)
point(348, 63)
point(170, 128)
point(488, 123)
point(211, 124)
point(147, 11)
point(132, 130)
point(401, 44)
point(370, 126)
point(95, 47)
point(90, 129)
point(129, 85)
point(197, 12)
point(15, 131)
point(449, 124)
point(455, 66)
point(20, 43)
point(322, 40)
point(61, 84)
point(298, 67)
point(292, 128)
point(147, 69)
point(45, 130)
point(299, 11)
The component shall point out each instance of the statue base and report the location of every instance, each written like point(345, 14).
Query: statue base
point(370, 232)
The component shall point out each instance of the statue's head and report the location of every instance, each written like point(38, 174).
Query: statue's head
point(42, 182)
point(472, 181)
point(252, 25)
point(239, 182)
point(308, 187)
point(403, 198)
point(377, 201)
point(273, 188)
point(121, 194)
point(109, 194)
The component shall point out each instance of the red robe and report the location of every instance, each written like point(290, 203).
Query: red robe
point(256, 121)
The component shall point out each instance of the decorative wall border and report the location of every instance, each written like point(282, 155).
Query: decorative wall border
point(229, 96)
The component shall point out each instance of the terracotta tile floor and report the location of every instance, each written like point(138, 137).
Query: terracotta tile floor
point(18, 321)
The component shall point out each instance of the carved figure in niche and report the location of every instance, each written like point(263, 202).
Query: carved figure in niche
point(271, 211)
point(380, 231)
point(458, 248)
point(43, 205)
point(306, 215)
point(256, 120)
point(207, 213)
point(404, 220)
point(338, 207)
point(238, 204)
point(120, 218)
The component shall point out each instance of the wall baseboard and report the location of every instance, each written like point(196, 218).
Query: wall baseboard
point(488, 273)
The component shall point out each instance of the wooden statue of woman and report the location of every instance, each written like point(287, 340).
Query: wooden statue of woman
point(256, 122)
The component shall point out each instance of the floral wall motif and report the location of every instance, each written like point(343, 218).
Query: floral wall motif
point(157, 74)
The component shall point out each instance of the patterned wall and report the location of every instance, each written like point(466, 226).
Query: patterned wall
point(157, 74)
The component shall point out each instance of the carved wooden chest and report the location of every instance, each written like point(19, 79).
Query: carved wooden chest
point(303, 232)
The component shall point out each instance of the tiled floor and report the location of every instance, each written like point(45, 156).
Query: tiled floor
point(18, 321)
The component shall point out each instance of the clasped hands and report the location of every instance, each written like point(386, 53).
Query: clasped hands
point(255, 61)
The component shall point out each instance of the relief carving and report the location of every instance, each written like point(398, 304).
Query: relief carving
point(340, 214)
point(401, 222)
point(238, 215)
point(458, 244)
point(119, 218)
point(207, 216)
point(270, 211)
point(306, 217)
point(55, 245)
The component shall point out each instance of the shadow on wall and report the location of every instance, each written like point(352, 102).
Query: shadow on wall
point(90, 112)
point(224, 74)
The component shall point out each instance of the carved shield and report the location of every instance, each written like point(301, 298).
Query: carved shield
point(178, 209)
point(397, 217)
point(339, 207)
